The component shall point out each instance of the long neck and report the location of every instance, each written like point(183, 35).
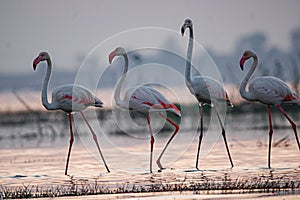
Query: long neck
point(117, 95)
point(189, 59)
point(45, 101)
point(247, 94)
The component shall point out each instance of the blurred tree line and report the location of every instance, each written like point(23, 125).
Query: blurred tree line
point(283, 64)
point(273, 61)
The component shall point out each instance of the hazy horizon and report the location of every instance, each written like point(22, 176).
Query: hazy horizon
point(70, 30)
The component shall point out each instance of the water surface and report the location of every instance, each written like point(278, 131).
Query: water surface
point(29, 159)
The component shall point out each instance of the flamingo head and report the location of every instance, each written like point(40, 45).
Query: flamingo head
point(119, 51)
point(246, 55)
point(41, 57)
point(187, 24)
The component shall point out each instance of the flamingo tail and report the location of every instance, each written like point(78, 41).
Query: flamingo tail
point(98, 103)
point(292, 98)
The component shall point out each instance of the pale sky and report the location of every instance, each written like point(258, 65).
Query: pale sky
point(67, 28)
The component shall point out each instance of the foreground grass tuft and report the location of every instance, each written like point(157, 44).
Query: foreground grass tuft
point(204, 185)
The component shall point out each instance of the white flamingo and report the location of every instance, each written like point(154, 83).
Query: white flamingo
point(206, 90)
point(268, 90)
point(141, 99)
point(69, 98)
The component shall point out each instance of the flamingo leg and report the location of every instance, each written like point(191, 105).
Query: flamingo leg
point(151, 141)
point(169, 141)
point(95, 139)
point(270, 136)
point(71, 143)
point(224, 136)
point(292, 123)
point(201, 133)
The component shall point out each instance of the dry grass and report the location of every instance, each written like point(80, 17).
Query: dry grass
point(225, 185)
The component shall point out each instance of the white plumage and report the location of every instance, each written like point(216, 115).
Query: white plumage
point(208, 90)
point(271, 91)
point(74, 98)
point(144, 98)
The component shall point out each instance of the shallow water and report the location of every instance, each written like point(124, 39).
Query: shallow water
point(40, 161)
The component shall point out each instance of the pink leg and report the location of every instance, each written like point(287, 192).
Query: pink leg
point(71, 143)
point(201, 133)
point(270, 136)
point(95, 139)
point(292, 123)
point(151, 141)
point(224, 136)
point(171, 138)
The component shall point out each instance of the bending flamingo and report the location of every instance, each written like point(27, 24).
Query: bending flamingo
point(69, 98)
point(141, 99)
point(206, 90)
point(268, 90)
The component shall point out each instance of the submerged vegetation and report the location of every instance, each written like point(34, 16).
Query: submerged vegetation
point(39, 124)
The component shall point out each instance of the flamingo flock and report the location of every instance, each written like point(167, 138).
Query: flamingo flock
point(144, 99)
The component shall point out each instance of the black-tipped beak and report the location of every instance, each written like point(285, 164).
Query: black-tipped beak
point(184, 26)
point(36, 62)
point(182, 31)
point(242, 62)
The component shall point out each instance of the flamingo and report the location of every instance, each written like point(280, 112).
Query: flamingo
point(268, 90)
point(141, 99)
point(68, 98)
point(206, 90)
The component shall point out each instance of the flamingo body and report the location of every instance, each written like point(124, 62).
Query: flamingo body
point(208, 90)
point(73, 98)
point(144, 98)
point(270, 90)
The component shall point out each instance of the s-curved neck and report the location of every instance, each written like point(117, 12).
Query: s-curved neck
point(45, 101)
point(246, 94)
point(117, 95)
point(189, 59)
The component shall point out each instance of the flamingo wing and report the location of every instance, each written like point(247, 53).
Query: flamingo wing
point(74, 98)
point(271, 90)
point(163, 102)
point(207, 89)
point(138, 99)
point(145, 98)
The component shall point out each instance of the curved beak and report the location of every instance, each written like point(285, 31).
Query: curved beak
point(36, 62)
point(111, 56)
point(242, 62)
point(184, 26)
